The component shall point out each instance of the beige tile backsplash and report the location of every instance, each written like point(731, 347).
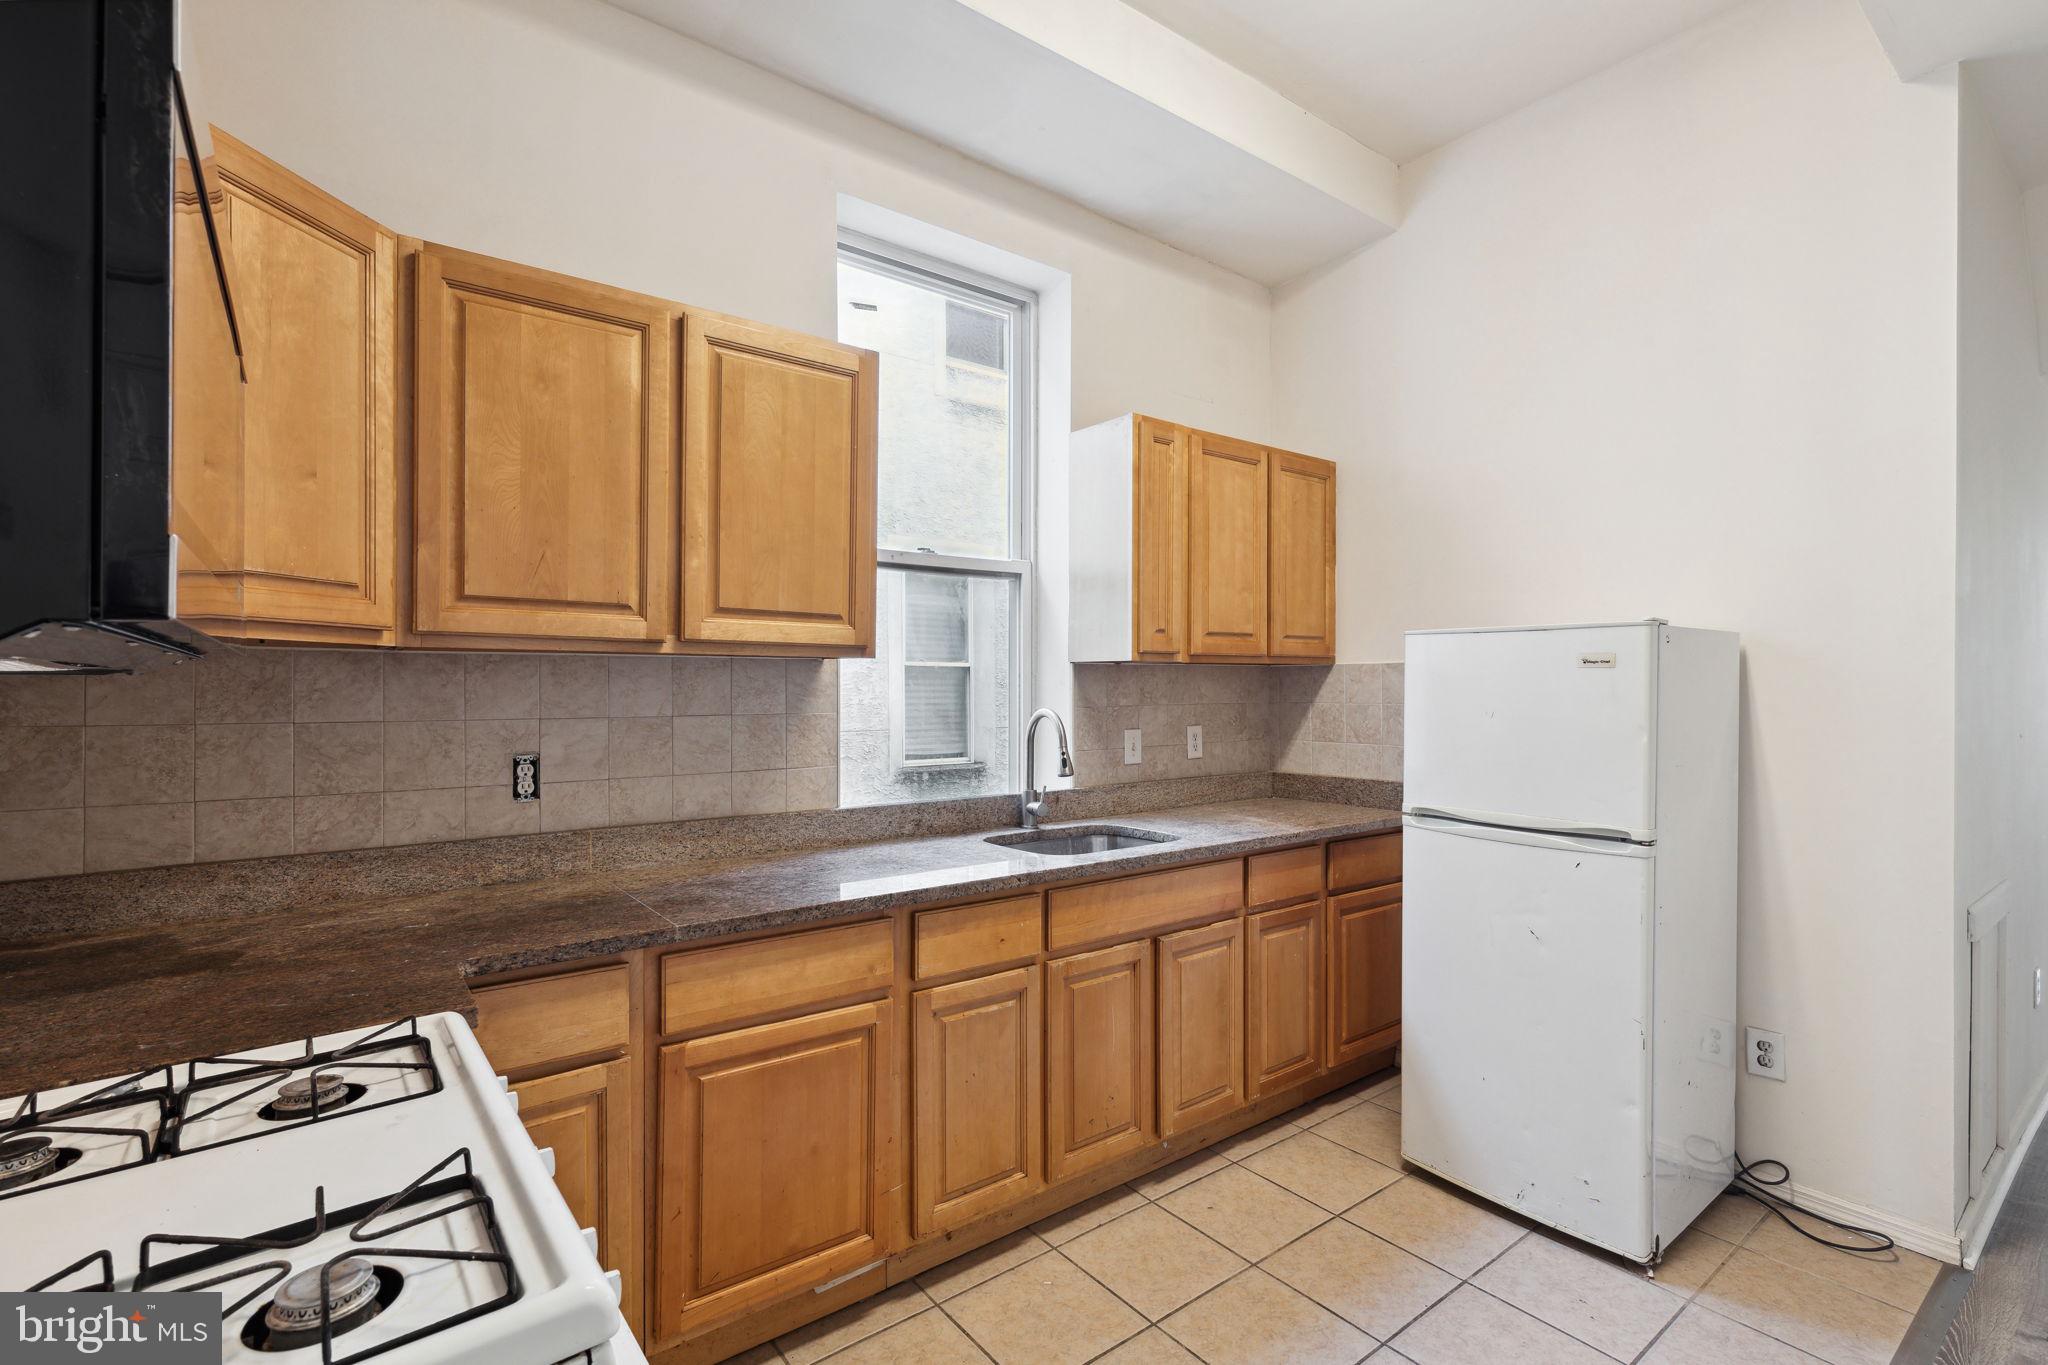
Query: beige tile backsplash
point(253, 753)
point(249, 753)
point(1326, 721)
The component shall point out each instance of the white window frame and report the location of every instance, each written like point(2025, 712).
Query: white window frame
point(983, 291)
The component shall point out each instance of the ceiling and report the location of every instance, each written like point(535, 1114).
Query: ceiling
point(1407, 76)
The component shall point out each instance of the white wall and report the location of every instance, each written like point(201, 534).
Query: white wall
point(1680, 341)
point(2002, 593)
point(571, 135)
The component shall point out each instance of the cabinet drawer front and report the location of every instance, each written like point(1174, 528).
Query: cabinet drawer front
point(970, 936)
point(716, 986)
point(526, 1024)
point(1140, 905)
point(1372, 861)
point(1294, 874)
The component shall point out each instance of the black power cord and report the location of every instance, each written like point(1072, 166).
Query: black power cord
point(1749, 1184)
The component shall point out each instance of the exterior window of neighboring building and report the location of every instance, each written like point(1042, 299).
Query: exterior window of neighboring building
point(935, 713)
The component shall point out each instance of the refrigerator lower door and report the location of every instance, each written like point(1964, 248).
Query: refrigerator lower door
point(1525, 1030)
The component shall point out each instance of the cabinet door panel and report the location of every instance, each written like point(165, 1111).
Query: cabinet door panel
point(779, 496)
point(1201, 1025)
point(304, 530)
point(1365, 972)
point(1098, 1033)
point(978, 1097)
point(589, 1117)
point(546, 437)
point(1159, 615)
point(1227, 500)
point(1284, 996)
point(775, 1147)
point(1302, 616)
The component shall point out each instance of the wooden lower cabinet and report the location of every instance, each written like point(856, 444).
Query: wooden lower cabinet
point(1283, 1018)
point(978, 1098)
point(1201, 1025)
point(588, 1116)
point(776, 1148)
point(1098, 1039)
point(1365, 972)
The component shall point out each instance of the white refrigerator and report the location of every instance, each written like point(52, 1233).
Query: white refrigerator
point(1568, 1031)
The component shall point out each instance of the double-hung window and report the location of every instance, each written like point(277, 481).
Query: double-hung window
point(936, 712)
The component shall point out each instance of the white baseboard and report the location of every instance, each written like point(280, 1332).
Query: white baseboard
point(1982, 1212)
point(1942, 1244)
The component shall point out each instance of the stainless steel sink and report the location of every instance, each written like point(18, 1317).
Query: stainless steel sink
point(1074, 840)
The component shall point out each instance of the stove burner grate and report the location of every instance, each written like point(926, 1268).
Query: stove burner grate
point(306, 1089)
point(357, 1292)
point(33, 1150)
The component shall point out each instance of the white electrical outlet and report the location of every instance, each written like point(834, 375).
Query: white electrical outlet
point(1767, 1054)
point(1134, 746)
point(1194, 741)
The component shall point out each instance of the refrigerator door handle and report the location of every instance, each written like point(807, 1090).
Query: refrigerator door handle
point(1533, 838)
point(1568, 828)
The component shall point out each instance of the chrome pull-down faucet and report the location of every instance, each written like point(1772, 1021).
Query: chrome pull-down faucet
point(1032, 803)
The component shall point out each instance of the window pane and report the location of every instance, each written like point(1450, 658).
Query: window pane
point(935, 706)
point(935, 618)
point(896, 713)
point(945, 413)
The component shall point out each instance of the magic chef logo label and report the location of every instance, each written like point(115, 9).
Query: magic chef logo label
point(147, 1329)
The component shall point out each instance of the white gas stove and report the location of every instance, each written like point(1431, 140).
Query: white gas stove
point(390, 1160)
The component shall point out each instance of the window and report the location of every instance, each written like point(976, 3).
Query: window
point(936, 713)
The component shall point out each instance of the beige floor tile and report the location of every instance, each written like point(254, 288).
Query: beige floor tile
point(1066, 1225)
point(1445, 1229)
point(1608, 1308)
point(1256, 1139)
point(1167, 1179)
point(1044, 1312)
point(1731, 1218)
point(1149, 1347)
point(855, 1322)
point(1257, 1320)
point(1387, 1355)
point(1702, 1338)
point(1322, 1172)
point(1246, 1212)
point(1692, 1261)
point(1898, 1277)
point(1378, 1088)
point(930, 1338)
point(1471, 1327)
point(1368, 1130)
point(1389, 1098)
point(764, 1354)
point(1315, 1111)
point(1153, 1261)
point(1816, 1315)
point(962, 1273)
point(1370, 1283)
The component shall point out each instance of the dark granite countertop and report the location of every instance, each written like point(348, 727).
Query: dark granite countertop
point(84, 1009)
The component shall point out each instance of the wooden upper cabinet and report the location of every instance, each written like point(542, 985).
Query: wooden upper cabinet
point(1159, 526)
point(1301, 618)
point(545, 442)
point(1283, 996)
point(776, 1148)
point(1201, 1025)
point(978, 1113)
point(1227, 530)
point(293, 529)
point(778, 488)
point(1098, 1038)
point(1365, 972)
point(589, 1118)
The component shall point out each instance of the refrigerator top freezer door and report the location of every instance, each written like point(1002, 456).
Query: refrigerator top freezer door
point(1539, 729)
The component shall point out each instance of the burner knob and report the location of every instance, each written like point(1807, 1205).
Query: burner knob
point(611, 1277)
point(547, 1159)
point(590, 1239)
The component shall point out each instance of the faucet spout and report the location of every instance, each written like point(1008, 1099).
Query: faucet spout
point(1032, 803)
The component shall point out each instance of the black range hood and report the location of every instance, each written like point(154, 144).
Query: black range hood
point(90, 131)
